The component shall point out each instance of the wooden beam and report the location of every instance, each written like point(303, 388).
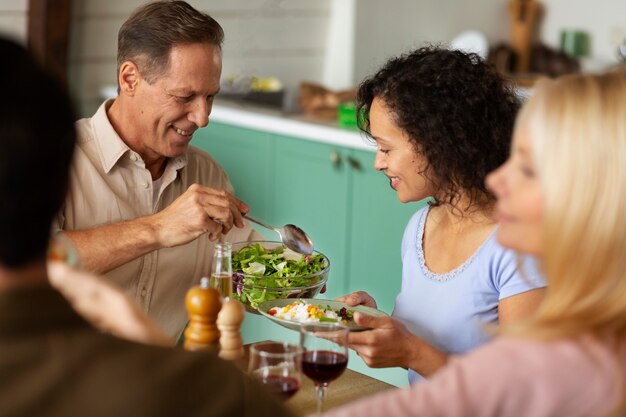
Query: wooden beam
point(48, 34)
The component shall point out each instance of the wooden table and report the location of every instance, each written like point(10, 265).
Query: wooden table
point(350, 386)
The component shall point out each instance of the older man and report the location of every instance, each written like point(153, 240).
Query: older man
point(52, 362)
point(142, 201)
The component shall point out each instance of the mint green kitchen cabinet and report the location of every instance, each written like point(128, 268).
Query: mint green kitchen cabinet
point(377, 222)
point(348, 208)
point(246, 156)
point(311, 190)
point(336, 196)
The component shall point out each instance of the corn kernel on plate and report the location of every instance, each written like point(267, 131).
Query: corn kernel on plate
point(291, 313)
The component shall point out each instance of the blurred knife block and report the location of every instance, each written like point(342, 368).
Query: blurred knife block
point(524, 15)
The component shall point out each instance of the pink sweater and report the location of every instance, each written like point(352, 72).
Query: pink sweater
point(509, 377)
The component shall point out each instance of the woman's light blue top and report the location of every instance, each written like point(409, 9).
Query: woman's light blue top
point(449, 310)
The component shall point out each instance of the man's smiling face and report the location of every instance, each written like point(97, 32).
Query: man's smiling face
point(179, 102)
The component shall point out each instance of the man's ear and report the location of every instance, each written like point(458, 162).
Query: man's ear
point(128, 77)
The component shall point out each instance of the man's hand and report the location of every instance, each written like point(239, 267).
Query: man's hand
point(358, 298)
point(198, 210)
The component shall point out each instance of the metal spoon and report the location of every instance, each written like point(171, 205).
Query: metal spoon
point(291, 235)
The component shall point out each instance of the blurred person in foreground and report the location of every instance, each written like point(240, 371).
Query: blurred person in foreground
point(52, 362)
point(561, 196)
point(142, 201)
point(442, 120)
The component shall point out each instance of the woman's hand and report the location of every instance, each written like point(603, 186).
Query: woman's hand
point(390, 344)
point(358, 298)
point(104, 305)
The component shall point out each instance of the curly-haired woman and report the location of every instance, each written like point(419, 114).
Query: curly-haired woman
point(561, 196)
point(442, 120)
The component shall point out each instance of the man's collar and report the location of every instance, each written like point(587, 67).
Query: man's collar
point(110, 144)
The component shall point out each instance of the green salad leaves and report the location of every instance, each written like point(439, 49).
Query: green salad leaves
point(260, 274)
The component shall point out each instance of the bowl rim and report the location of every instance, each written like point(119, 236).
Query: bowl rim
point(262, 287)
point(326, 270)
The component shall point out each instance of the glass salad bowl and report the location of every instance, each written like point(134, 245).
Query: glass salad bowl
point(264, 271)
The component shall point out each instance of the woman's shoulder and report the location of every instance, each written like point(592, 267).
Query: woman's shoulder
point(416, 219)
point(413, 227)
point(506, 265)
point(563, 371)
point(495, 255)
point(561, 361)
point(535, 352)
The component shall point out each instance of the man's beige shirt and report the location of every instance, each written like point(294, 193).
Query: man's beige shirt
point(110, 183)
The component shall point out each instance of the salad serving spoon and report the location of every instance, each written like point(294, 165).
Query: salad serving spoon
point(291, 235)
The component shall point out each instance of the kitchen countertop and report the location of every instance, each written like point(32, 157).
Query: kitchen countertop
point(294, 125)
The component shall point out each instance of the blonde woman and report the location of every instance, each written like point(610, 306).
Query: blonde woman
point(562, 197)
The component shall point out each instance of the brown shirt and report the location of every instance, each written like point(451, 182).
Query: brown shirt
point(52, 363)
point(110, 183)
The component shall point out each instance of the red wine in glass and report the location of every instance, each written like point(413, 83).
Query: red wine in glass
point(324, 355)
point(277, 365)
point(285, 386)
point(323, 366)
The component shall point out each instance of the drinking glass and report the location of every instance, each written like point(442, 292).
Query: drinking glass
point(324, 354)
point(277, 366)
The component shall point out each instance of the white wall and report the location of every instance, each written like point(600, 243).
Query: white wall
point(604, 20)
point(285, 39)
point(298, 40)
point(14, 19)
point(388, 28)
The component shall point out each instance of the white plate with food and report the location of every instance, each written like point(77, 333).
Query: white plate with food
point(291, 313)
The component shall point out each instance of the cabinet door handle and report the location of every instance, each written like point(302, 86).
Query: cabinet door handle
point(335, 159)
point(355, 163)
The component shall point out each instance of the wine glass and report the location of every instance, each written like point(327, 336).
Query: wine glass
point(277, 366)
point(324, 354)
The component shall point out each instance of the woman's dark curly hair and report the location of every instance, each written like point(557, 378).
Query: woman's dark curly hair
point(455, 108)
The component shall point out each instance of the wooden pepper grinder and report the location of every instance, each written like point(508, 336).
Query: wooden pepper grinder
point(203, 305)
point(229, 322)
point(523, 14)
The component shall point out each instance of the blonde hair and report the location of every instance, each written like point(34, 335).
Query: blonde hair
point(578, 128)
